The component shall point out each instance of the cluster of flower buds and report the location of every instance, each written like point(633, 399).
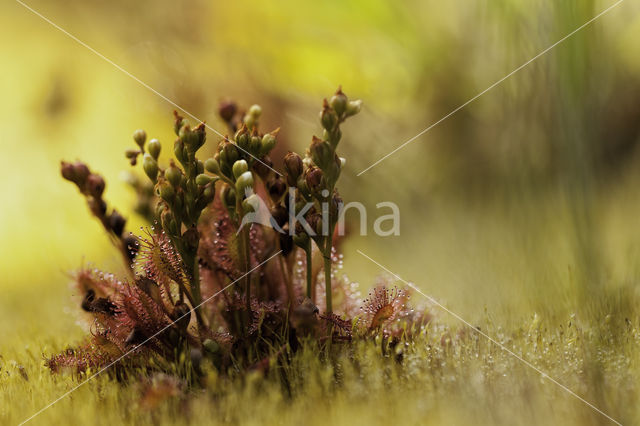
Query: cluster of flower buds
point(92, 186)
point(295, 170)
point(140, 138)
point(235, 119)
point(314, 179)
point(238, 160)
point(315, 176)
point(184, 189)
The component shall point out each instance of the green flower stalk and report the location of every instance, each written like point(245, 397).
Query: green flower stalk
point(323, 186)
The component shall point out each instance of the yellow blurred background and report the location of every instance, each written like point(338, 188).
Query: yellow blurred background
point(525, 198)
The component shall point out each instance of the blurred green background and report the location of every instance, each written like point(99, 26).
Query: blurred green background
point(525, 200)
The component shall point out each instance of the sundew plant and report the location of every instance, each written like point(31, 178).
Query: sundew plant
point(204, 287)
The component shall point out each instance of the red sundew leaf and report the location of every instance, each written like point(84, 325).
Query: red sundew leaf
point(383, 305)
point(159, 260)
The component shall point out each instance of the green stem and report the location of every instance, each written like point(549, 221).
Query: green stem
point(196, 296)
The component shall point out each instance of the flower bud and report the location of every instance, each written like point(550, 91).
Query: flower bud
point(228, 154)
point(225, 168)
point(244, 181)
point(339, 102)
point(228, 196)
point(328, 117)
point(160, 208)
point(68, 171)
point(154, 148)
point(179, 151)
point(251, 119)
point(202, 179)
point(321, 152)
point(208, 194)
point(199, 166)
point(212, 166)
point(293, 166)
point(315, 222)
point(81, 172)
point(140, 136)
point(116, 222)
point(255, 145)
point(268, 142)
point(166, 191)
point(95, 185)
point(193, 139)
point(131, 153)
point(334, 137)
point(314, 179)
point(150, 166)
point(255, 111)
point(231, 152)
point(239, 167)
point(97, 206)
point(201, 135)
point(301, 184)
point(178, 122)
point(227, 110)
point(250, 122)
point(242, 138)
point(353, 107)
point(222, 157)
point(173, 174)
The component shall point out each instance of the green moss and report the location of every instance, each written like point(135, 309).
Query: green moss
point(446, 375)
